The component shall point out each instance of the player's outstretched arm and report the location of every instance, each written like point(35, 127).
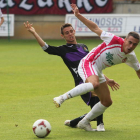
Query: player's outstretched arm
point(112, 83)
point(90, 24)
point(29, 27)
point(2, 20)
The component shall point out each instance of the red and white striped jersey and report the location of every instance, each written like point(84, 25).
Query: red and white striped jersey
point(110, 53)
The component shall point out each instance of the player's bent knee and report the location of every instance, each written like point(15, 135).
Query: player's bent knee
point(110, 103)
point(107, 103)
point(96, 85)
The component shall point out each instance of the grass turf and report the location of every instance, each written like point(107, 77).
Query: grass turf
point(30, 79)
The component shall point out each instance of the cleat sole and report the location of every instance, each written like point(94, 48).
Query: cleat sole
point(56, 104)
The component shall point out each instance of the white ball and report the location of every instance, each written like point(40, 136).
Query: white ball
point(41, 128)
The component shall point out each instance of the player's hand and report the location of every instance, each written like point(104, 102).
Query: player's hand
point(75, 9)
point(29, 27)
point(113, 84)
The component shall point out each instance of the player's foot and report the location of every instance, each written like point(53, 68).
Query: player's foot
point(100, 127)
point(67, 123)
point(58, 101)
point(85, 126)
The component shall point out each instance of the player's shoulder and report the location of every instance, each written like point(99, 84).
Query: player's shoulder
point(131, 54)
point(108, 34)
point(61, 46)
point(81, 45)
point(65, 47)
point(120, 40)
point(116, 39)
point(85, 48)
point(111, 39)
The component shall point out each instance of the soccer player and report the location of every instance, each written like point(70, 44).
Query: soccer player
point(1, 17)
point(114, 50)
point(72, 53)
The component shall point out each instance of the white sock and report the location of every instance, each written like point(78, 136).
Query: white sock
point(97, 110)
point(78, 90)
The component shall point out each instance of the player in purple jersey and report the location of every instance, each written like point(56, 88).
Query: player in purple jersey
point(72, 53)
point(114, 50)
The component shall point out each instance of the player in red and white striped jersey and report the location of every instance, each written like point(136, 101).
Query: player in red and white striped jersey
point(107, 54)
point(114, 50)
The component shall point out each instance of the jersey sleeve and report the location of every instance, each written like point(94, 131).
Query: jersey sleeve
point(106, 37)
point(53, 50)
point(133, 62)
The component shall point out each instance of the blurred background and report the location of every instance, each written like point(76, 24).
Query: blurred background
point(47, 16)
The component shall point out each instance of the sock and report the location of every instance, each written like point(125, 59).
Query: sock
point(78, 90)
point(94, 100)
point(100, 119)
point(97, 110)
point(75, 121)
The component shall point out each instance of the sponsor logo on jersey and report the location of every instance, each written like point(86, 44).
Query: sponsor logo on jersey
point(85, 49)
point(109, 58)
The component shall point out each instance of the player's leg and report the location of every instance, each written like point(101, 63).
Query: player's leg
point(100, 124)
point(91, 83)
point(105, 101)
point(78, 90)
point(98, 108)
point(89, 100)
point(74, 122)
point(99, 119)
point(81, 89)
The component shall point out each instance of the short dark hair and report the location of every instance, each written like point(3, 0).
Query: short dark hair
point(64, 26)
point(133, 34)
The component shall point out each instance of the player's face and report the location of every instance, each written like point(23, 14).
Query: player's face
point(130, 44)
point(69, 35)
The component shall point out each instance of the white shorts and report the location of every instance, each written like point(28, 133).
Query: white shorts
point(86, 69)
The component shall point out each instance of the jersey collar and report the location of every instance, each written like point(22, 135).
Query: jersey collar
point(70, 45)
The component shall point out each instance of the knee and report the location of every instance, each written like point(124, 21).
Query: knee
point(110, 103)
point(107, 103)
point(96, 85)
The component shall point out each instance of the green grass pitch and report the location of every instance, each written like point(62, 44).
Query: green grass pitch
point(30, 79)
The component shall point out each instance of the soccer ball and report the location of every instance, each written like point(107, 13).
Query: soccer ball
point(41, 128)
